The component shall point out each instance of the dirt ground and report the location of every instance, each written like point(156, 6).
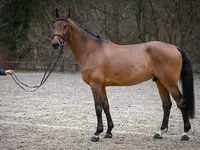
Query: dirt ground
point(61, 115)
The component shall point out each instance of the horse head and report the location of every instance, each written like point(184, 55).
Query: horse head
point(60, 29)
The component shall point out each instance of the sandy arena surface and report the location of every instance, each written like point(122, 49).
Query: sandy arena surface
point(61, 115)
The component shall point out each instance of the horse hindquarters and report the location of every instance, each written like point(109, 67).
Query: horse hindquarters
point(184, 102)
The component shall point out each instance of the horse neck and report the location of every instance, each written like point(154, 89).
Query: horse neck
point(81, 43)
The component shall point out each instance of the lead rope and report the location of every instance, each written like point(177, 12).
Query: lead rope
point(45, 76)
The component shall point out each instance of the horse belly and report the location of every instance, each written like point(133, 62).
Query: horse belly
point(127, 78)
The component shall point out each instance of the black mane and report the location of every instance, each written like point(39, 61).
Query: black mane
point(63, 18)
point(86, 30)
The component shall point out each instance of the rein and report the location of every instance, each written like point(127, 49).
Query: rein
point(49, 69)
point(44, 79)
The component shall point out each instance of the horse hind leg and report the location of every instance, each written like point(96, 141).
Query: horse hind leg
point(176, 94)
point(166, 104)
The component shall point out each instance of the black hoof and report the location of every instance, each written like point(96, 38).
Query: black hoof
point(108, 135)
point(94, 139)
point(157, 136)
point(184, 138)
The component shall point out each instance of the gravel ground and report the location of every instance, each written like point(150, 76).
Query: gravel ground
point(61, 115)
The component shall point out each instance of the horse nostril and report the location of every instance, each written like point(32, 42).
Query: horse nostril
point(55, 45)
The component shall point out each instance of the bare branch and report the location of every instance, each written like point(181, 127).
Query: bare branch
point(75, 8)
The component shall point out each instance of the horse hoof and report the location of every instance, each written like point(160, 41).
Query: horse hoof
point(94, 139)
point(184, 138)
point(108, 135)
point(157, 136)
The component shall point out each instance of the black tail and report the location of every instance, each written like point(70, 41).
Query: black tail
point(187, 85)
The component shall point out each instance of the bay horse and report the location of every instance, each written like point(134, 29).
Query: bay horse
point(104, 63)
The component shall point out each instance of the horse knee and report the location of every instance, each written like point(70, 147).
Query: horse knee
point(98, 109)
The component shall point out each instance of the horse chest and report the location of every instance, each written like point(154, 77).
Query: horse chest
point(92, 76)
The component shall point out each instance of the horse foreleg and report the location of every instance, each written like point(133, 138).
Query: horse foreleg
point(166, 103)
point(97, 95)
point(106, 109)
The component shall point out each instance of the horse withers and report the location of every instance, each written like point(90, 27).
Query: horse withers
point(104, 63)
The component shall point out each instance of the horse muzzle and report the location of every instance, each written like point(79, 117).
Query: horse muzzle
point(55, 45)
point(58, 41)
point(58, 45)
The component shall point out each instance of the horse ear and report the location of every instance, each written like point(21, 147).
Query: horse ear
point(57, 13)
point(68, 14)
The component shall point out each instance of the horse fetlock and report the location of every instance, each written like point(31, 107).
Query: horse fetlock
point(159, 134)
point(162, 131)
point(187, 127)
point(108, 135)
point(164, 126)
point(98, 131)
point(110, 125)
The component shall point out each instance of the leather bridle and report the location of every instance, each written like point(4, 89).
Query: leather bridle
point(66, 35)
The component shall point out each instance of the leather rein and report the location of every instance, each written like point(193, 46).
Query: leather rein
point(49, 69)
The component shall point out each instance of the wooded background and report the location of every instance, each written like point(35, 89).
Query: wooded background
point(26, 25)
